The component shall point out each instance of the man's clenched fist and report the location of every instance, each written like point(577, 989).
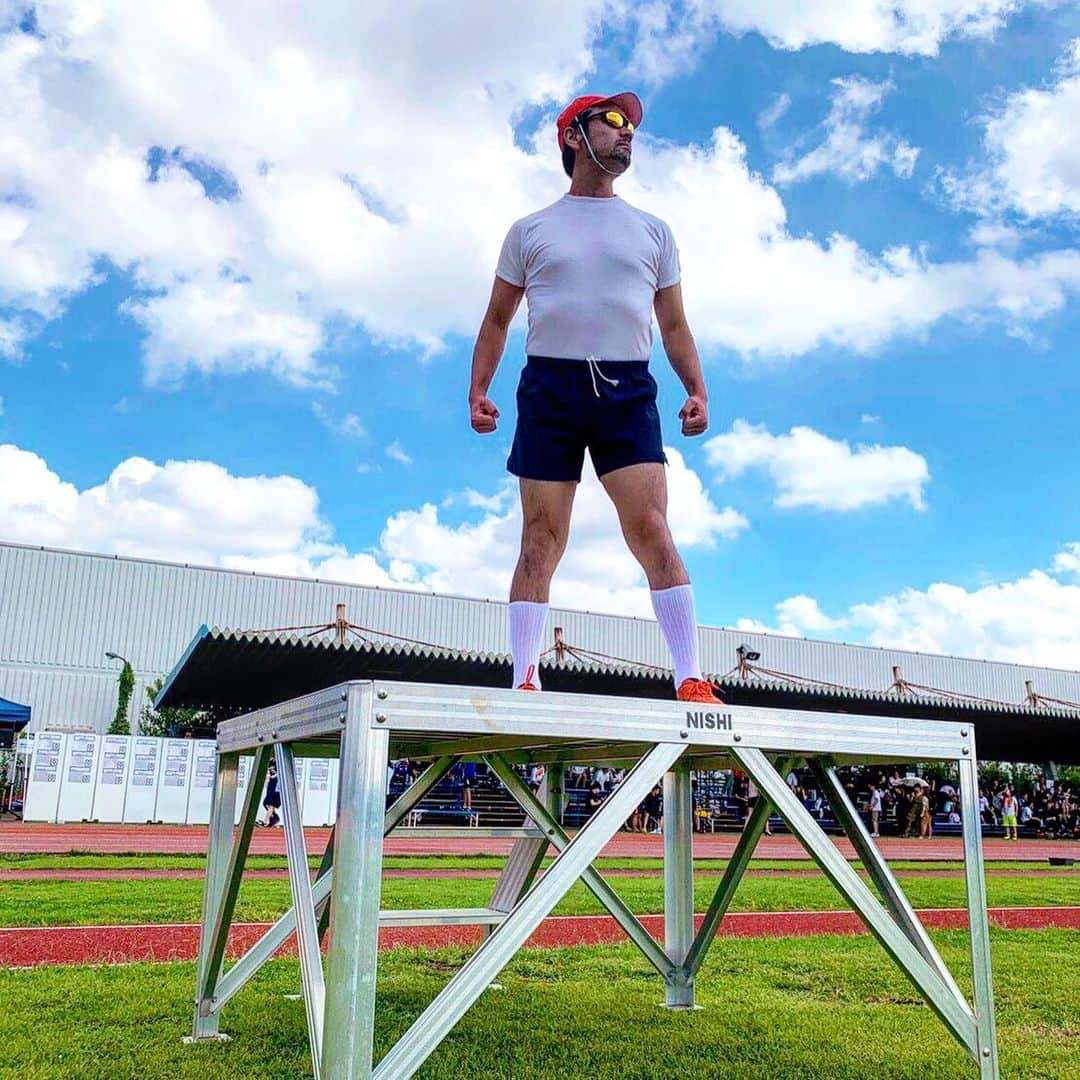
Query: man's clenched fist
point(483, 414)
point(694, 416)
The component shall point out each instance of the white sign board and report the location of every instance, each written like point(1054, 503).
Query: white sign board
point(203, 772)
point(317, 792)
point(243, 777)
point(142, 779)
point(43, 782)
point(77, 786)
point(174, 775)
point(112, 773)
point(300, 766)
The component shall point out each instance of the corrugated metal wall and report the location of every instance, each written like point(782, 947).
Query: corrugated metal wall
point(61, 611)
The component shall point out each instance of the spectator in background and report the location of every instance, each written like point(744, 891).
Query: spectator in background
point(914, 812)
point(1009, 811)
point(272, 798)
point(595, 799)
point(926, 814)
point(875, 811)
point(654, 810)
point(602, 776)
point(536, 778)
point(468, 782)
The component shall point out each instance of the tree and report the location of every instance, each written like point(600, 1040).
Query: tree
point(125, 688)
point(162, 721)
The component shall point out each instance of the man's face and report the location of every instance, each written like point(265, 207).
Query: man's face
point(611, 145)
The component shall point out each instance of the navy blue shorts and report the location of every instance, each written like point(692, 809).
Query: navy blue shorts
point(561, 414)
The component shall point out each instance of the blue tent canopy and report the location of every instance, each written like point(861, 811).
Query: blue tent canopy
point(13, 718)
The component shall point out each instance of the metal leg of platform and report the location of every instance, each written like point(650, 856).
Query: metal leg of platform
point(225, 859)
point(354, 917)
point(264, 949)
point(987, 1055)
point(678, 884)
point(307, 922)
point(752, 832)
point(454, 1000)
point(955, 1013)
point(902, 912)
point(596, 884)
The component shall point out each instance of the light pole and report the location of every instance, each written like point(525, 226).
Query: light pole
point(128, 666)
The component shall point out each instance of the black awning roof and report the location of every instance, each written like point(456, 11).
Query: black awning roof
point(227, 672)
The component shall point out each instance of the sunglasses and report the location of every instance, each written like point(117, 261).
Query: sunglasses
point(612, 118)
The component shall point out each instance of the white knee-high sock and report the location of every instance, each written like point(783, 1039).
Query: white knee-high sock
point(674, 609)
point(527, 620)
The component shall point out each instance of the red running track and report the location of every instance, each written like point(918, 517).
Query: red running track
point(32, 838)
point(33, 946)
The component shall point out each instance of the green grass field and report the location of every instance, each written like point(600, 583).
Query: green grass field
point(59, 903)
point(86, 861)
point(788, 1009)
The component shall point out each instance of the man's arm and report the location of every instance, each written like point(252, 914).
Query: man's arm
point(683, 356)
point(488, 351)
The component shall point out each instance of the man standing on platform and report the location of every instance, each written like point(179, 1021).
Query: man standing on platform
point(593, 270)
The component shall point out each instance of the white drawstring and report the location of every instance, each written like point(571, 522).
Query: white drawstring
point(594, 370)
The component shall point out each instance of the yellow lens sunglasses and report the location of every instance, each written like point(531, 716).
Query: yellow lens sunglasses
point(612, 118)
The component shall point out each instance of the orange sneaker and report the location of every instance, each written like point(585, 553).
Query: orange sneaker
point(528, 683)
point(699, 690)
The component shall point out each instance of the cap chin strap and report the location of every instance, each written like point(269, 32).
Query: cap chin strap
point(588, 146)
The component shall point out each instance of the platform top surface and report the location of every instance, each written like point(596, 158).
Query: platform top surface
point(425, 720)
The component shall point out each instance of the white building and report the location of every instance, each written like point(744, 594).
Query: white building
point(61, 611)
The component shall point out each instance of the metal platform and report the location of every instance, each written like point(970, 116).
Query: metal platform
point(369, 723)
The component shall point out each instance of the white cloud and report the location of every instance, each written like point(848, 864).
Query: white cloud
point(396, 452)
point(1034, 619)
point(769, 116)
point(797, 616)
point(294, 156)
point(810, 469)
point(196, 511)
point(349, 426)
point(670, 36)
point(773, 294)
point(12, 335)
point(282, 203)
point(847, 149)
point(1067, 561)
point(869, 418)
point(995, 234)
point(191, 511)
point(1033, 163)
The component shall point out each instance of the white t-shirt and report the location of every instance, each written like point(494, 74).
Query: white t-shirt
point(875, 799)
point(591, 268)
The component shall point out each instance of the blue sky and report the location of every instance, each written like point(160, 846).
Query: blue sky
point(257, 269)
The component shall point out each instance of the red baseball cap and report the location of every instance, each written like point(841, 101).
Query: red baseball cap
point(627, 102)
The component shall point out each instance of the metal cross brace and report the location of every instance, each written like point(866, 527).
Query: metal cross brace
point(454, 1000)
point(217, 988)
point(941, 993)
point(603, 892)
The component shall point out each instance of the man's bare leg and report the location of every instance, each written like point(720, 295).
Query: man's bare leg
point(546, 506)
point(639, 493)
